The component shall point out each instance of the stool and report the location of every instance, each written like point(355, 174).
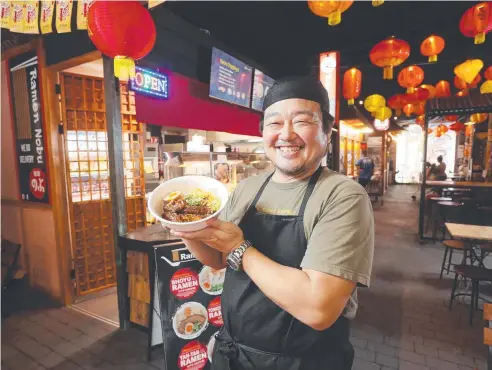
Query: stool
point(448, 212)
point(452, 245)
point(433, 211)
point(476, 274)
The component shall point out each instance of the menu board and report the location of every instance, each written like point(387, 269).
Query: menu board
point(191, 315)
point(262, 83)
point(29, 128)
point(230, 79)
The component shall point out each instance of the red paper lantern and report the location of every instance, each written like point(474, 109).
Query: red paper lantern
point(457, 126)
point(396, 102)
point(443, 89)
point(419, 108)
point(123, 30)
point(459, 83)
point(419, 95)
point(475, 82)
point(408, 109)
point(462, 93)
point(488, 73)
point(420, 120)
point(410, 77)
point(477, 21)
point(431, 47)
point(330, 9)
point(352, 85)
point(451, 118)
point(389, 53)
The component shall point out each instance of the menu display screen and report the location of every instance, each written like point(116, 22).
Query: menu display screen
point(262, 83)
point(230, 79)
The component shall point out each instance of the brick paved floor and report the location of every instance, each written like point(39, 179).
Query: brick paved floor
point(403, 322)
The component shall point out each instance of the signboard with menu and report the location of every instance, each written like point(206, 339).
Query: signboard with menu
point(230, 79)
point(190, 309)
point(261, 84)
point(29, 128)
point(329, 75)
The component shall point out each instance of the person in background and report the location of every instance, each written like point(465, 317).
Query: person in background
point(296, 243)
point(463, 169)
point(441, 169)
point(366, 169)
point(222, 172)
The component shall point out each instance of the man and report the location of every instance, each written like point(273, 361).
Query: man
point(366, 169)
point(296, 243)
point(441, 169)
point(222, 172)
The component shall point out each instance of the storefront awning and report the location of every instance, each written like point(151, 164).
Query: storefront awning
point(189, 106)
point(473, 103)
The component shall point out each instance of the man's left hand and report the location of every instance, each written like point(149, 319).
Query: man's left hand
point(220, 235)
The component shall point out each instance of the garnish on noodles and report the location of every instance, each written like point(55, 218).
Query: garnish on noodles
point(189, 207)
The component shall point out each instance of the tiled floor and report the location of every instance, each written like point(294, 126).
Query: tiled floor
point(403, 322)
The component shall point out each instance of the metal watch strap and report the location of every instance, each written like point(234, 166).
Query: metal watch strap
point(235, 257)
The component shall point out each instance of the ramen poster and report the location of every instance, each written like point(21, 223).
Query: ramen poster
point(191, 316)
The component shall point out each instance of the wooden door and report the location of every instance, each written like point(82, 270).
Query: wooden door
point(83, 111)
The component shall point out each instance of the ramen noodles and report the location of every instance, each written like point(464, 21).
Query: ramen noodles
point(187, 207)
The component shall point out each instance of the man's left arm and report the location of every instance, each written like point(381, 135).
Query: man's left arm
point(338, 257)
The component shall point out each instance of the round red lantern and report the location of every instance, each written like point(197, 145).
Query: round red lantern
point(420, 120)
point(123, 30)
point(443, 89)
point(410, 77)
point(477, 21)
point(431, 47)
point(389, 53)
point(459, 83)
point(352, 85)
point(419, 108)
point(462, 93)
point(488, 73)
point(396, 102)
point(408, 109)
point(475, 82)
point(330, 9)
point(457, 126)
point(431, 89)
point(451, 118)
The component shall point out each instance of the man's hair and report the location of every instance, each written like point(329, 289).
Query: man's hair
point(304, 87)
point(439, 159)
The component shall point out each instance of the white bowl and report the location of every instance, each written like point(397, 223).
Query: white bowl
point(186, 184)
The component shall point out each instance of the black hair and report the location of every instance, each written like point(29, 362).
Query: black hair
point(439, 159)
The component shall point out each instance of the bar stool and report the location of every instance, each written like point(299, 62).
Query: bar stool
point(476, 274)
point(448, 212)
point(450, 246)
point(433, 216)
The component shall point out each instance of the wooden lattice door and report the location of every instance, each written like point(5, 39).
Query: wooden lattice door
point(83, 110)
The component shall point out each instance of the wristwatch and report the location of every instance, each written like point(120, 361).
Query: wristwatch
point(235, 258)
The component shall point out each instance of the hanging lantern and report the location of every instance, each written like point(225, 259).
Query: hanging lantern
point(417, 96)
point(468, 70)
point(352, 85)
point(410, 77)
point(462, 93)
point(488, 73)
point(451, 118)
point(123, 30)
point(396, 102)
point(457, 126)
point(459, 83)
point(419, 108)
point(475, 82)
point(486, 87)
point(431, 89)
point(431, 47)
point(376, 3)
point(420, 120)
point(408, 109)
point(330, 9)
point(381, 125)
point(429, 131)
point(477, 21)
point(373, 102)
point(389, 53)
point(383, 113)
point(478, 117)
point(443, 89)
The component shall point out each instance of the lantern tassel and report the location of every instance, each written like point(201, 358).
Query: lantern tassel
point(351, 101)
point(388, 73)
point(480, 38)
point(433, 59)
point(124, 68)
point(410, 90)
point(335, 18)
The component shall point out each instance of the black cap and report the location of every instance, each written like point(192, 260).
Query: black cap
point(299, 87)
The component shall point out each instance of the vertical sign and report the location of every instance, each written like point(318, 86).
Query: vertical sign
point(30, 144)
point(190, 307)
point(329, 75)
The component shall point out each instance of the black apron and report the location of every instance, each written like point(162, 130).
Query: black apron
point(258, 334)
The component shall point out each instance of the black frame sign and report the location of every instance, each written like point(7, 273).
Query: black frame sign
point(29, 130)
point(191, 316)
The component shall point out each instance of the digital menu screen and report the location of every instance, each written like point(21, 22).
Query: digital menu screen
point(230, 79)
point(262, 83)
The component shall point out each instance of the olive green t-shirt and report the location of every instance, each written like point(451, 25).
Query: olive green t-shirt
point(338, 222)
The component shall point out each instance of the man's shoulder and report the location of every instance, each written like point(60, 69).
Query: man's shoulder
point(334, 185)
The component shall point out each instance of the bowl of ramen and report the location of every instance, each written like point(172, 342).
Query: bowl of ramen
point(187, 203)
point(190, 320)
point(211, 280)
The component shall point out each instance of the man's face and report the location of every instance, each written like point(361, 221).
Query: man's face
point(293, 135)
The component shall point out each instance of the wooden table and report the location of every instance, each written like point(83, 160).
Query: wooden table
point(470, 232)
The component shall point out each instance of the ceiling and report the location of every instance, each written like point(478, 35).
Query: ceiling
point(286, 37)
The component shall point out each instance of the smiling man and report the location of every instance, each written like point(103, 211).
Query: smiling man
point(296, 244)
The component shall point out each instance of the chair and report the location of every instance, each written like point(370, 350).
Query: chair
point(476, 274)
point(433, 216)
point(448, 212)
point(450, 246)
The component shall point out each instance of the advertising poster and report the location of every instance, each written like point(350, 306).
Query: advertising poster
point(191, 316)
point(230, 79)
point(262, 83)
point(329, 74)
point(29, 129)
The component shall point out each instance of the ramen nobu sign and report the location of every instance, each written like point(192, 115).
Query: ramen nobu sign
point(152, 83)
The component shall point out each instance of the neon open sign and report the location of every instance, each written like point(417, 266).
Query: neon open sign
point(149, 82)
